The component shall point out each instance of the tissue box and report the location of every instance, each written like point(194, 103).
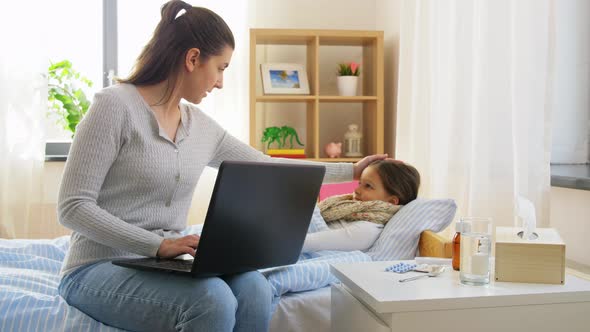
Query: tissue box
point(535, 261)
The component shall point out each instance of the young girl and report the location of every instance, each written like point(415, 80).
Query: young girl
point(356, 220)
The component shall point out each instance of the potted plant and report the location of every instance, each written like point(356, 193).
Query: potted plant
point(347, 79)
point(66, 96)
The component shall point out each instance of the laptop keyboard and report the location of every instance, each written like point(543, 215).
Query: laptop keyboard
point(176, 264)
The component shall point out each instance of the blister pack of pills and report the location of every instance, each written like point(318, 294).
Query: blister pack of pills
point(401, 267)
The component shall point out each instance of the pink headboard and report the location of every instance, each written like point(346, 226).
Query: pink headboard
point(332, 189)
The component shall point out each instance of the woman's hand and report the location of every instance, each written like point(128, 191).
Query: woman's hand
point(360, 165)
point(170, 248)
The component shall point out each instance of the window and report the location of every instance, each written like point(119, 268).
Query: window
point(78, 38)
point(127, 27)
point(570, 151)
point(135, 24)
point(571, 104)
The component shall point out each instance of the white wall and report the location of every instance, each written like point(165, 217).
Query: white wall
point(388, 20)
point(314, 14)
point(570, 215)
point(571, 98)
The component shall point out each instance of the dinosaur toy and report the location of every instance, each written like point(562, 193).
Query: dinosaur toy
point(280, 135)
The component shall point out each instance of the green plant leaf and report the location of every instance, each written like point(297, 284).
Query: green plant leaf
point(66, 98)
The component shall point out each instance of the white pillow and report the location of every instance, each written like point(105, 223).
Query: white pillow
point(400, 237)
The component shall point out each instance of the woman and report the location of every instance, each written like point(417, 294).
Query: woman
point(129, 179)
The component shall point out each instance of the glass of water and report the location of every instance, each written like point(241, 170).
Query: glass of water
point(476, 248)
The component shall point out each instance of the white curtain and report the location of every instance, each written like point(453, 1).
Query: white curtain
point(474, 103)
point(23, 97)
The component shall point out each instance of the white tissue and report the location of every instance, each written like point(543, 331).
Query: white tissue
point(526, 211)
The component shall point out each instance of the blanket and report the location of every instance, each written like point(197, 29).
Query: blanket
point(312, 271)
point(29, 300)
point(29, 278)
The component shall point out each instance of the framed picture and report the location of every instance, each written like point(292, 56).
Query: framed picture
point(284, 78)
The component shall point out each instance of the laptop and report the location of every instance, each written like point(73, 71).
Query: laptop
point(258, 218)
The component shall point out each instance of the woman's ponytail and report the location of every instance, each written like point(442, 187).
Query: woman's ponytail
point(173, 9)
point(181, 28)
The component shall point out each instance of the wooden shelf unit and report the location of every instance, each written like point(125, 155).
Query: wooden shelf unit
point(371, 102)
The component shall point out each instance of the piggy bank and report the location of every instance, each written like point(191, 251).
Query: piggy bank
point(333, 150)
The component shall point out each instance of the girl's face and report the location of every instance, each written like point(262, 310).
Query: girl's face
point(205, 76)
point(371, 188)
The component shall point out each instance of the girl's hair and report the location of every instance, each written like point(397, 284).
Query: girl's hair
point(176, 33)
point(399, 179)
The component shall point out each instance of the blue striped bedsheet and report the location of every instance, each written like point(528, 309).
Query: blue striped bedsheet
point(29, 300)
point(29, 278)
point(312, 271)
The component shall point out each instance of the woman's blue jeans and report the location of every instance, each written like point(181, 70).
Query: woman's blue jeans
point(138, 300)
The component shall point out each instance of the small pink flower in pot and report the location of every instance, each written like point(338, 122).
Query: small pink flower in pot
point(353, 67)
point(349, 69)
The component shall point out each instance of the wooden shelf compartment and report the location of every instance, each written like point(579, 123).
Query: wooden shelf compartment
point(367, 44)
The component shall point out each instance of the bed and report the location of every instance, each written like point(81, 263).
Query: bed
point(29, 276)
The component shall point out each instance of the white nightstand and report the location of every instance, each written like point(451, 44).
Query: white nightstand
point(369, 299)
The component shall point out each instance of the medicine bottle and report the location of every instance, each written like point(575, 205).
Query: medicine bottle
point(457, 246)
